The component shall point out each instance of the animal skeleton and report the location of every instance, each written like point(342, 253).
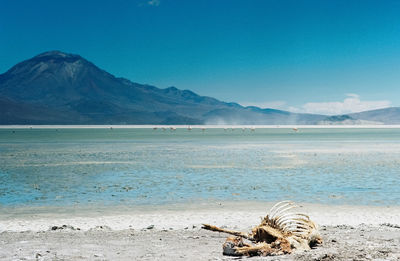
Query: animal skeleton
point(280, 232)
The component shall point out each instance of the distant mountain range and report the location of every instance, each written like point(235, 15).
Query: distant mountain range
point(60, 88)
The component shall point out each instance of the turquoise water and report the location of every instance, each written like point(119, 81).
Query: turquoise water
point(47, 167)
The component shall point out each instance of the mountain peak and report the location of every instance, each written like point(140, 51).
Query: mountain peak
point(56, 54)
point(54, 77)
point(57, 65)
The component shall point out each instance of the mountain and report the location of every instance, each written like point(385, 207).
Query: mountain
point(383, 116)
point(60, 88)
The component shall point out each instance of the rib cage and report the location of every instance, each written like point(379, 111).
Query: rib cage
point(282, 218)
point(282, 231)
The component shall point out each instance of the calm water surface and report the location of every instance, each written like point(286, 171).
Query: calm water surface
point(47, 167)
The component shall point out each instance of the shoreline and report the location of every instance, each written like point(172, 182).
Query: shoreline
point(241, 214)
point(174, 232)
point(149, 126)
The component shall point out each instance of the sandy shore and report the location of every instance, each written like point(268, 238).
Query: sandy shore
point(173, 232)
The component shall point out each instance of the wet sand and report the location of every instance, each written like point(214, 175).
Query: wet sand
point(173, 232)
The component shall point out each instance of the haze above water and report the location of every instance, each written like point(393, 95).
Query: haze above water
point(62, 167)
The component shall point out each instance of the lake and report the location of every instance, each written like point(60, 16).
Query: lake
point(133, 166)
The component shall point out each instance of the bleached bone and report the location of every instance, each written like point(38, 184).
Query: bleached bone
point(280, 232)
point(289, 216)
point(294, 219)
point(279, 205)
point(280, 208)
point(282, 211)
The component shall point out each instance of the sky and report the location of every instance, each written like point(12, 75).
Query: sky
point(329, 57)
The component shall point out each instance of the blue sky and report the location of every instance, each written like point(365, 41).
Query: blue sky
point(311, 56)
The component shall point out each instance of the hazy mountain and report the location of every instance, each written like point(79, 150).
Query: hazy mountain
point(59, 88)
point(384, 116)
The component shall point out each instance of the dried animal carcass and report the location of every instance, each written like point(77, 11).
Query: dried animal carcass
point(281, 232)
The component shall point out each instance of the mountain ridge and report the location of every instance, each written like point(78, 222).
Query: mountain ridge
point(60, 88)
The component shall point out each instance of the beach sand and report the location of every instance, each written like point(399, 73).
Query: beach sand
point(173, 232)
